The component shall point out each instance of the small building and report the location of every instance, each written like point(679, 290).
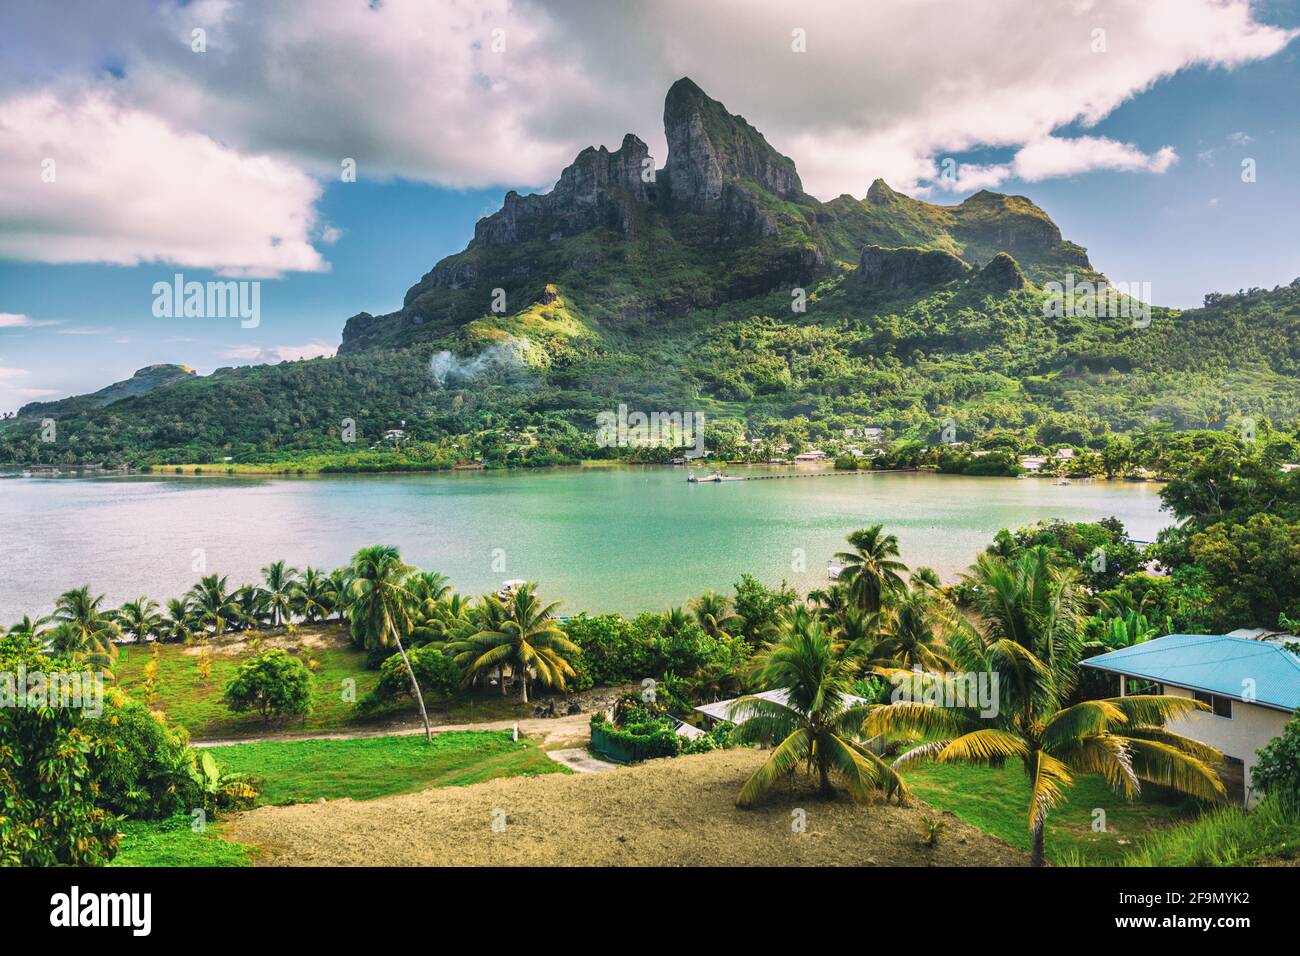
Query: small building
point(723, 709)
point(814, 455)
point(1063, 454)
point(394, 434)
point(1250, 684)
point(1032, 463)
point(1289, 467)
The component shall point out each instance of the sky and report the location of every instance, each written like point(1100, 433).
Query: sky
point(215, 139)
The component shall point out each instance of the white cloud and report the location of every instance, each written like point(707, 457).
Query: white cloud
point(14, 320)
point(1054, 156)
point(271, 354)
point(36, 392)
point(128, 188)
point(11, 372)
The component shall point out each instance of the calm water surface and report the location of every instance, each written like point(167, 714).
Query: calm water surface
point(623, 539)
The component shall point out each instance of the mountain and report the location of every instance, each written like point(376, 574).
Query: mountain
point(725, 219)
point(144, 380)
point(714, 283)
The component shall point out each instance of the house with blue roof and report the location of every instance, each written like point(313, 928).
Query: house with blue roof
point(1248, 680)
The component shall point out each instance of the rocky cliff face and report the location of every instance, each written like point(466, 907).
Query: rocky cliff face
point(726, 218)
point(908, 268)
point(598, 189)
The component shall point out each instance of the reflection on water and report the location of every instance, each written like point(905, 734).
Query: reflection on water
point(598, 539)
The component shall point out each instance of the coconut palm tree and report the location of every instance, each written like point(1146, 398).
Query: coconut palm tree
point(34, 630)
point(379, 608)
point(909, 636)
point(252, 605)
point(1027, 632)
point(180, 620)
point(280, 585)
point(214, 606)
point(713, 612)
point(523, 636)
point(140, 619)
point(871, 571)
point(817, 725)
point(82, 629)
point(312, 597)
point(339, 584)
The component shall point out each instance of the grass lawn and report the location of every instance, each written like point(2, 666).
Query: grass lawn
point(173, 843)
point(997, 802)
point(306, 770)
point(198, 707)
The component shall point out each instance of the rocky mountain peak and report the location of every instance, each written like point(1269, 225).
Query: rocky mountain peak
point(710, 148)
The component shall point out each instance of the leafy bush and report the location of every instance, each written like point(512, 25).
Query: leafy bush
point(436, 673)
point(718, 738)
point(626, 744)
point(274, 683)
point(48, 815)
point(143, 770)
point(1277, 771)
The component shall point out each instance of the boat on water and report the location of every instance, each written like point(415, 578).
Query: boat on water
point(716, 476)
point(1062, 481)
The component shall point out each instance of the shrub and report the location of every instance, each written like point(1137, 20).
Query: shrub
point(143, 771)
point(1277, 772)
point(623, 745)
point(436, 673)
point(274, 683)
point(48, 815)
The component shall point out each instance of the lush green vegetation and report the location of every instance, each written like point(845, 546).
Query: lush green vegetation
point(303, 771)
point(175, 842)
point(1225, 836)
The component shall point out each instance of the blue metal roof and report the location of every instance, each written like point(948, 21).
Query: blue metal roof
point(1215, 663)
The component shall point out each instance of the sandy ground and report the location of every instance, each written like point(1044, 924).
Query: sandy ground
point(670, 812)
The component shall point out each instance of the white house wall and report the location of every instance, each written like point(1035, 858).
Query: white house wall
point(1250, 728)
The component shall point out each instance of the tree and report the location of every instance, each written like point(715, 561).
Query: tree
point(179, 622)
point(274, 683)
point(870, 569)
point(280, 586)
point(140, 619)
point(1277, 771)
point(713, 612)
point(48, 811)
point(213, 604)
point(909, 637)
point(525, 638)
point(817, 726)
point(313, 597)
point(1027, 633)
point(82, 630)
point(379, 608)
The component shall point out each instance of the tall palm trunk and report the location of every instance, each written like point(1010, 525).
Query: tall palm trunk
point(415, 685)
point(1036, 853)
point(523, 684)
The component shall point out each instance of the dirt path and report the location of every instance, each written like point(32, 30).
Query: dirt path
point(678, 811)
point(554, 732)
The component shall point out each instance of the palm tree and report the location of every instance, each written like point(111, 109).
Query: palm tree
point(675, 620)
point(817, 725)
point(379, 608)
point(82, 629)
point(340, 584)
point(213, 604)
point(524, 637)
point(140, 619)
point(910, 638)
point(313, 598)
point(34, 630)
point(280, 585)
point(870, 569)
point(713, 612)
point(180, 620)
point(252, 606)
point(1027, 632)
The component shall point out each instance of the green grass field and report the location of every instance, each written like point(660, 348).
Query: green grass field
point(197, 706)
point(997, 802)
point(174, 843)
point(308, 770)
